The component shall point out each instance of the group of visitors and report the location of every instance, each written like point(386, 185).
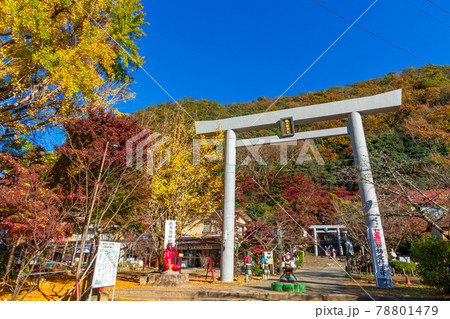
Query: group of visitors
point(330, 251)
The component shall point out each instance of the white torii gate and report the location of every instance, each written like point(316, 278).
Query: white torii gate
point(353, 109)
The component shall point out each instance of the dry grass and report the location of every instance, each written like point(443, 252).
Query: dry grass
point(416, 289)
point(56, 286)
point(52, 288)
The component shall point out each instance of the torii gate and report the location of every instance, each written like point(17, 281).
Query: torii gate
point(353, 109)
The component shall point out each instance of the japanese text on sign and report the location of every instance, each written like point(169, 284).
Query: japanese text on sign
point(105, 270)
point(170, 232)
point(381, 262)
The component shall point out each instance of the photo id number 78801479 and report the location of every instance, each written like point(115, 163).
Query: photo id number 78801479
point(407, 310)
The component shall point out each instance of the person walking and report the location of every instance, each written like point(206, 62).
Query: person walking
point(248, 266)
point(327, 251)
point(265, 267)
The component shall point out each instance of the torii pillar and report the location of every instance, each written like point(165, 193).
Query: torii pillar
point(227, 260)
point(369, 202)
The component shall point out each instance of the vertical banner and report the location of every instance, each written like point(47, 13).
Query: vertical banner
point(170, 232)
point(269, 257)
point(380, 257)
point(105, 270)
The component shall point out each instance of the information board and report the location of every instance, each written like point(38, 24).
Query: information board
point(105, 270)
point(405, 259)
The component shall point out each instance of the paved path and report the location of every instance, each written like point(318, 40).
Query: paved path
point(321, 275)
point(324, 280)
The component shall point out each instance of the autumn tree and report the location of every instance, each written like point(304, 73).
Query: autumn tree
point(286, 202)
point(408, 189)
point(420, 188)
point(58, 56)
point(260, 236)
point(399, 228)
point(80, 159)
point(186, 185)
point(306, 203)
point(106, 195)
point(33, 215)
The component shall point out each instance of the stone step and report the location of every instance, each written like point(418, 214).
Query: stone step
point(224, 295)
point(156, 298)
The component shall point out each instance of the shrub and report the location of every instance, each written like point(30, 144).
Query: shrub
point(256, 271)
point(400, 265)
point(300, 257)
point(433, 256)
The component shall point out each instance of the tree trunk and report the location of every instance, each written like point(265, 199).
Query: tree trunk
point(10, 261)
point(149, 258)
point(87, 223)
point(74, 253)
point(88, 280)
point(432, 223)
point(17, 287)
point(85, 285)
point(64, 251)
point(22, 277)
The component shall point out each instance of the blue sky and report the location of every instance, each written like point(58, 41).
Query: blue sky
point(234, 51)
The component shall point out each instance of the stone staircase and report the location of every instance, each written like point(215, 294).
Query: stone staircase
point(320, 262)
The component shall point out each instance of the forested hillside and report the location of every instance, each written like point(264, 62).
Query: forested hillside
point(409, 153)
point(421, 123)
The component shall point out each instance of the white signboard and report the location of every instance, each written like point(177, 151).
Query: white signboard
point(404, 259)
point(268, 255)
point(170, 232)
point(105, 270)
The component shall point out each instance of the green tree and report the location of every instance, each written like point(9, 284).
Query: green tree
point(57, 56)
point(433, 256)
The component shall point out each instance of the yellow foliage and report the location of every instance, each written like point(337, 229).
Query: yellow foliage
point(182, 189)
point(57, 55)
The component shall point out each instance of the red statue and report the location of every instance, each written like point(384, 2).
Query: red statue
point(169, 257)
